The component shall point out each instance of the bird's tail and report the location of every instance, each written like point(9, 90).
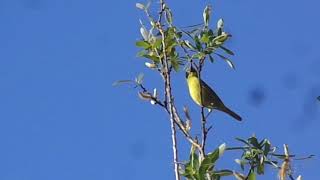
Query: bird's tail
point(231, 113)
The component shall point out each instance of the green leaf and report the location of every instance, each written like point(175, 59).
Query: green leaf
point(190, 172)
point(219, 40)
point(252, 176)
point(267, 147)
point(143, 44)
point(175, 64)
point(194, 159)
point(243, 141)
point(260, 168)
point(227, 50)
point(122, 82)
point(230, 63)
point(254, 141)
point(188, 44)
point(198, 43)
point(224, 172)
point(153, 57)
point(208, 161)
point(199, 56)
point(209, 50)
point(157, 44)
point(168, 15)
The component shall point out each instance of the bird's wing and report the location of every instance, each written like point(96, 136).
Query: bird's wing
point(207, 90)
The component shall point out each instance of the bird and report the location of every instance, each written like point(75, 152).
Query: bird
point(210, 99)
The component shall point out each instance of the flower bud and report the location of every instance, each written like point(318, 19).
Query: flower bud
point(153, 102)
point(206, 15)
point(220, 24)
point(222, 148)
point(154, 97)
point(155, 93)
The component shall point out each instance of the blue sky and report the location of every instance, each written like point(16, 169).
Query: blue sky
point(60, 118)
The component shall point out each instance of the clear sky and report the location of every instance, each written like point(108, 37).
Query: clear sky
point(61, 119)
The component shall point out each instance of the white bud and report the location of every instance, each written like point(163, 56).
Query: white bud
point(222, 148)
point(286, 149)
point(155, 93)
point(154, 96)
point(299, 177)
point(220, 23)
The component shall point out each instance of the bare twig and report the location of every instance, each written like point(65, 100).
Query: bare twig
point(155, 99)
point(204, 131)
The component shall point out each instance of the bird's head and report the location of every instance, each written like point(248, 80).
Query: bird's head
point(191, 72)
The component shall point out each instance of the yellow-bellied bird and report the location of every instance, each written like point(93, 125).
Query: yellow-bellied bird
point(209, 97)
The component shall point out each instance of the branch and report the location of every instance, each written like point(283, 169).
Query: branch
point(168, 96)
point(204, 130)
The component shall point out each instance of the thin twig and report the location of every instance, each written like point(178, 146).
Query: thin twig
point(155, 99)
point(204, 131)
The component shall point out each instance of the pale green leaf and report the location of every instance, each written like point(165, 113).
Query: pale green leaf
point(230, 63)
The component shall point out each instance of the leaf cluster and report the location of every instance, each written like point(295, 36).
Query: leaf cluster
point(182, 45)
point(197, 169)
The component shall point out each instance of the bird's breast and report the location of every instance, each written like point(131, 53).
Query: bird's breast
point(194, 89)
